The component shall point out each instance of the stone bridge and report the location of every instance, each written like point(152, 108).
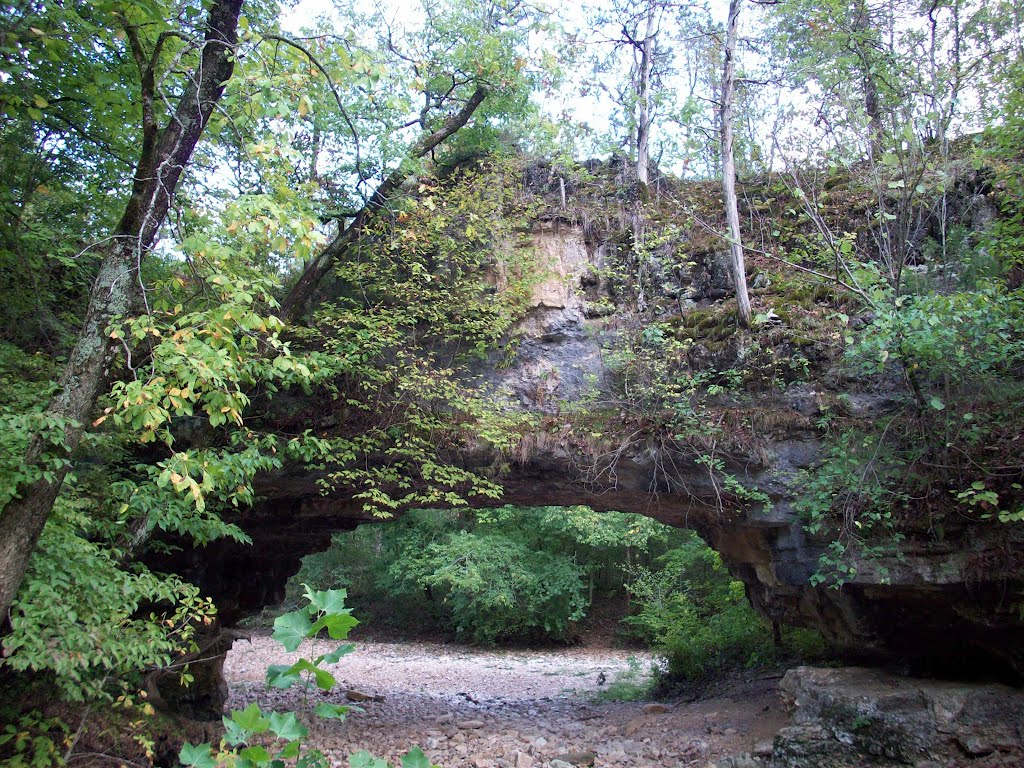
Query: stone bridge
point(946, 606)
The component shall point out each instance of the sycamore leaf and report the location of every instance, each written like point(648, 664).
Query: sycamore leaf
point(198, 756)
point(287, 726)
point(324, 679)
point(291, 750)
point(330, 711)
point(415, 759)
point(291, 629)
point(280, 676)
point(326, 600)
point(337, 625)
point(363, 759)
point(256, 753)
point(335, 656)
point(251, 719)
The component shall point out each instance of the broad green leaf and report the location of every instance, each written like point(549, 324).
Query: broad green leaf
point(337, 625)
point(324, 679)
point(312, 759)
point(280, 676)
point(335, 656)
point(363, 759)
point(256, 753)
point(327, 600)
point(415, 759)
point(291, 629)
point(287, 726)
point(331, 711)
point(198, 756)
point(251, 719)
point(234, 734)
point(290, 751)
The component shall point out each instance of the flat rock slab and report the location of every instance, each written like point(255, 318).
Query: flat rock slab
point(854, 716)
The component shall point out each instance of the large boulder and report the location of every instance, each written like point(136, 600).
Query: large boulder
point(865, 717)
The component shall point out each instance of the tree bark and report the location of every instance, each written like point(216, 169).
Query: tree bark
point(729, 166)
point(643, 133)
point(863, 34)
point(165, 155)
point(298, 297)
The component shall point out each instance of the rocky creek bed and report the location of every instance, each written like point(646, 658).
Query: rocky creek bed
point(511, 708)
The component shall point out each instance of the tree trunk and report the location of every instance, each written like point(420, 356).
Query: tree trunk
point(165, 154)
point(298, 297)
point(729, 167)
point(643, 131)
point(863, 35)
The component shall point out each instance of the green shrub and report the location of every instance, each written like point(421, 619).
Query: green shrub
point(693, 612)
point(495, 588)
point(532, 564)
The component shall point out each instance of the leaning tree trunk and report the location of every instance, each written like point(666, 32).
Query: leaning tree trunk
point(298, 297)
point(165, 154)
point(729, 167)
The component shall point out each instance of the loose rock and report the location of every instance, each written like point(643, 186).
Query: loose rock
point(577, 758)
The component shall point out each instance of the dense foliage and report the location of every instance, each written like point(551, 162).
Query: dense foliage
point(209, 223)
point(509, 573)
point(691, 610)
point(536, 573)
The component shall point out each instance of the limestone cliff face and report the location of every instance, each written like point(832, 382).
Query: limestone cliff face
point(949, 603)
point(952, 603)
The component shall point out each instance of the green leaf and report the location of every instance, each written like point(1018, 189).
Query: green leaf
point(251, 719)
point(312, 759)
point(337, 625)
point(291, 629)
point(363, 759)
point(287, 726)
point(198, 756)
point(327, 600)
point(936, 403)
point(255, 753)
point(290, 751)
point(335, 656)
point(330, 711)
point(234, 734)
point(280, 676)
point(324, 679)
point(415, 759)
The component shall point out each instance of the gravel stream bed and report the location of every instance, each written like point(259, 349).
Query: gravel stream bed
point(508, 708)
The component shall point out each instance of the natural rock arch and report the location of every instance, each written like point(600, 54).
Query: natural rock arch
point(944, 606)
